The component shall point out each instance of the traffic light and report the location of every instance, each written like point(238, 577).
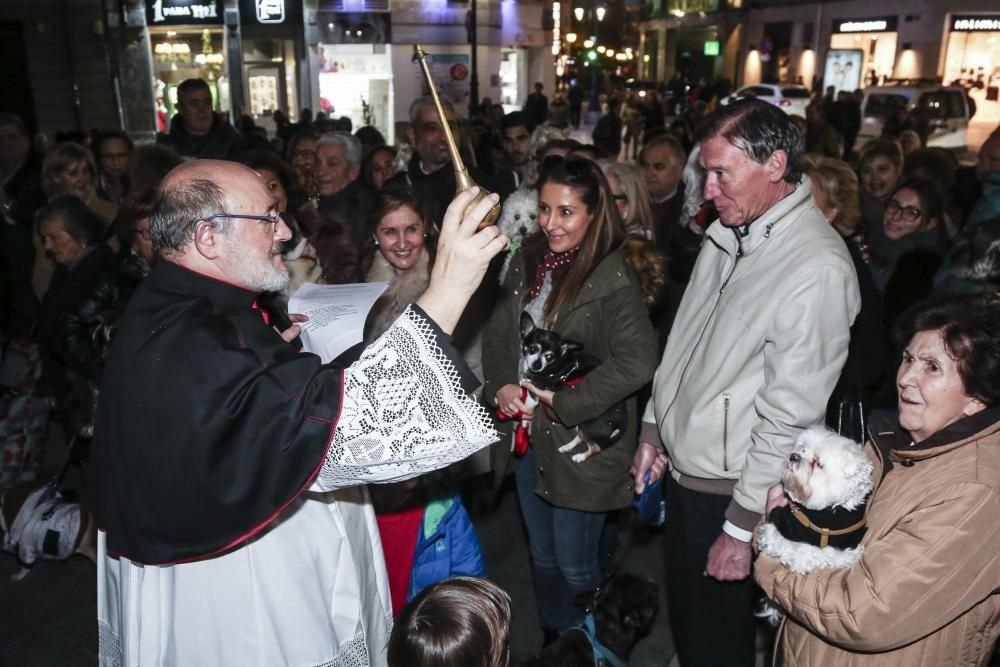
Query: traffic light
point(592, 55)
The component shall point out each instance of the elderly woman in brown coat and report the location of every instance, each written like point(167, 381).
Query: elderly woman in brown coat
point(926, 590)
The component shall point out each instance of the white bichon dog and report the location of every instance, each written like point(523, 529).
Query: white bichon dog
point(518, 220)
point(827, 479)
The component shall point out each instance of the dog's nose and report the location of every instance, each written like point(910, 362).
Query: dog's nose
point(794, 458)
point(523, 230)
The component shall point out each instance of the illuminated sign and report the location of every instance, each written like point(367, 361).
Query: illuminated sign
point(871, 24)
point(184, 12)
point(975, 23)
point(712, 47)
point(271, 12)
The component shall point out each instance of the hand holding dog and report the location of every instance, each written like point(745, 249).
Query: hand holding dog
point(544, 396)
point(776, 498)
point(508, 399)
point(729, 559)
point(463, 256)
point(648, 457)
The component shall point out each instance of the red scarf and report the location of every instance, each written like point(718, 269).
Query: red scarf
point(552, 260)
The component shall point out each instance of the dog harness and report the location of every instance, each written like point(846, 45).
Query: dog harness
point(601, 652)
point(799, 514)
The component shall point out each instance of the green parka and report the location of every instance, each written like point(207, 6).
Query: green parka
point(609, 318)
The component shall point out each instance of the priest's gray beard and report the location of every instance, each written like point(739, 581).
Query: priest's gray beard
point(262, 277)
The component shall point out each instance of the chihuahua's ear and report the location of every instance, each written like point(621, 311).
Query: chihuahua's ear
point(568, 345)
point(527, 324)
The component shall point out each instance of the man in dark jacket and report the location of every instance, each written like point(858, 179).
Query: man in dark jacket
point(337, 224)
point(20, 196)
point(536, 107)
point(430, 171)
point(197, 131)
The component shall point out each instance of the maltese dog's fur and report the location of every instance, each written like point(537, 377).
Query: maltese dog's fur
point(518, 220)
point(824, 471)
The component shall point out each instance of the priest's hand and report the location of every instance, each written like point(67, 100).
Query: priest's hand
point(463, 255)
point(292, 332)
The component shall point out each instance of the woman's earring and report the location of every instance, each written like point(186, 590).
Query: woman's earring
point(376, 241)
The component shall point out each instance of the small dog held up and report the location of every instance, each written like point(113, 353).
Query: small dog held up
point(555, 363)
point(827, 480)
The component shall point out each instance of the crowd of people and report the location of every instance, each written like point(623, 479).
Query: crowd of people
point(736, 274)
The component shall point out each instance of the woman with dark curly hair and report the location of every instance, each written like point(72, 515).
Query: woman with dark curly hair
point(925, 591)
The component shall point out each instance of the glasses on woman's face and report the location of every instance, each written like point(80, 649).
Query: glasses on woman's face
point(908, 213)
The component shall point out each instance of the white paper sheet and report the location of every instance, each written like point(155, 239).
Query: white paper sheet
point(336, 315)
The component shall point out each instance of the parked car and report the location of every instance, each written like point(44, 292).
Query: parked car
point(945, 107)
point(792, 99)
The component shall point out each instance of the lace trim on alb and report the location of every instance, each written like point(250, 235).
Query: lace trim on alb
point(109, 647)
point(352, 654)
point(404, 412)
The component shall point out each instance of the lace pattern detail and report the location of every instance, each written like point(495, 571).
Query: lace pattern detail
point(353, 654)
point(109, 647)
point(404, 411)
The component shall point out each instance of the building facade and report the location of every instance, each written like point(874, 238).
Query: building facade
point(849, 44)
point(84, 64)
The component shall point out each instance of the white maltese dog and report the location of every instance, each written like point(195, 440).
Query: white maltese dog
point(827, 479)
point(518, 220)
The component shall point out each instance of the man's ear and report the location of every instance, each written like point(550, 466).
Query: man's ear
point(207, 240)
point(776, 165)
point(353, 171)
point(411, 136)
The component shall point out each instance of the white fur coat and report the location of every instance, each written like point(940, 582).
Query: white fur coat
point(404, 288)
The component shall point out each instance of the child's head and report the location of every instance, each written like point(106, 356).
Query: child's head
point(459, 622)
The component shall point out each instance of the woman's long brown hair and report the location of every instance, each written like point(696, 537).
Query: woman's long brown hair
point(604, 233)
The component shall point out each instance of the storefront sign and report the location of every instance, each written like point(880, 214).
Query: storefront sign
point(184, 12)
point(271, 12)
point(712, 47)
point(975, 23)
point(872, 24)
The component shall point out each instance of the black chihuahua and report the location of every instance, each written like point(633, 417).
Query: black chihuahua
point(554, 363)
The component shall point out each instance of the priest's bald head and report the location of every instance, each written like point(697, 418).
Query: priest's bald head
point(219, 219)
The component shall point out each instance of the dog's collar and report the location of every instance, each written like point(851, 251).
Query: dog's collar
point(824, 533)
point(601, 652)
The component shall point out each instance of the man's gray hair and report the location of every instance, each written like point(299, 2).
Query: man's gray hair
point(421, 103)
point(758, 129)
point(351, 144)
point(178, 209)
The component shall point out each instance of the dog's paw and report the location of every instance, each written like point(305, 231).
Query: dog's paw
point(769, 611)
point(568, 447)
point(21, 574)
point(582, 456)
point(767, 539)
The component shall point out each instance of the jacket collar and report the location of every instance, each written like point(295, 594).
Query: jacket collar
point(772, 223)
point(890, 437)
point(175, 278)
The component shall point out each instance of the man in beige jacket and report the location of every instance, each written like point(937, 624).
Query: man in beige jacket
point(757, 346)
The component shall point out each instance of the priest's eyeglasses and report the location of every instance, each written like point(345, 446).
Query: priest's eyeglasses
point(273, 219)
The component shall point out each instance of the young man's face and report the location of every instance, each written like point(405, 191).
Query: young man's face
point(196, 110)
point(517, 144)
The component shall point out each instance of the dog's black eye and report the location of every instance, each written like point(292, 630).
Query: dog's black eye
point(794, 458)
point(819, 464)
point(517, 216)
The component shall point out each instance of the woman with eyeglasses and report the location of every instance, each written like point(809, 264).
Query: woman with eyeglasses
point(909, 245)
point(570, 278)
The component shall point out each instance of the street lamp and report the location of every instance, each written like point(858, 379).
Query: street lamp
point(578, 13)
point(571, 37)
point(600, 13)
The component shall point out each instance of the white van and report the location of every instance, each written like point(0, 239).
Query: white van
point(946, 108)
